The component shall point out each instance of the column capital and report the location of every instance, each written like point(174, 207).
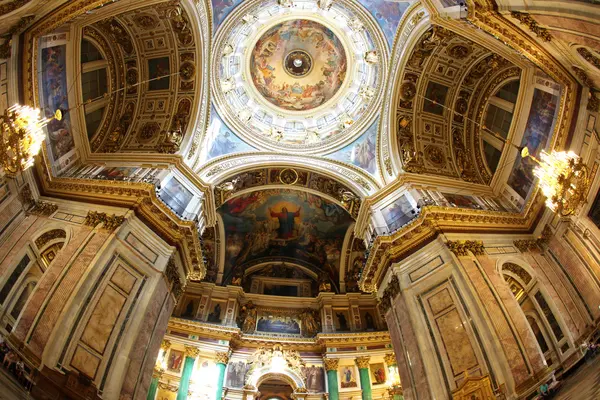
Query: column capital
point(222, 357)
point(165, 345)
point(461, 248)
point(158, 372)
point(362, 362)
point(331, 364)
point(192, 351)
point(390, 359)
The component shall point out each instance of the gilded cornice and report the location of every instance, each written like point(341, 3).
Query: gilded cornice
point(344, 339)
point(435, 219)
point(203, 329)
point(142, 198)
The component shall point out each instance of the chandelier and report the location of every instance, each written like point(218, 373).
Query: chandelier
point(563, 179)
point(22, 137)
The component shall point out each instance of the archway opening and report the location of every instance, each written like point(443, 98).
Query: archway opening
point(275, 389)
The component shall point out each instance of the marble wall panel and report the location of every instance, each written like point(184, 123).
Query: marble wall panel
point(513, 352)
point(456, 342)
point(63, 291)
point(86, 362)
point(572, 265)
point(9, 213)
point(515, 315)
point(123, 279)
point(102, 321)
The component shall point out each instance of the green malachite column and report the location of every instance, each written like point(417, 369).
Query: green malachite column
point(156, 375)
point(188, 367)
point(221, 360)
point(395, 390)
point(331, 366)
point(365, 381)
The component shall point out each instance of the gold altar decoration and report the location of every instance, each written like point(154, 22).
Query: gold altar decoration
point(474, 388)
point(191, 351)
point(362, 362)
point(563, 179)
point(22, 137)
point(277, 358)
point(331, 364)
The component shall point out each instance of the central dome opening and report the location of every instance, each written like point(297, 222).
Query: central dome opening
point(298, 65)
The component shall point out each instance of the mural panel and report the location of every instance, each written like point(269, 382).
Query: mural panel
point(461, 201)
point(388, 15)
point(313, 70)
point(54, 96)
point(398, 213)
point(362, 152)
point(175, 361)
point(281, 225)
point(537, 132)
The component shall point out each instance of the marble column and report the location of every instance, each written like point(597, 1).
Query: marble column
point(222, 358)
point(331, 366)
point(188, 367)
point(365, 381)
point(156, 375)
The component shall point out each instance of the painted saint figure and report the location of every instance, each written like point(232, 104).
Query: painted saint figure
point(286, 222)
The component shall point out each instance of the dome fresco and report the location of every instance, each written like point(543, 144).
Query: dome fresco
point(298, 65)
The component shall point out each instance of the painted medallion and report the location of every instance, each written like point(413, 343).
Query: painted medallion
point(298, 65)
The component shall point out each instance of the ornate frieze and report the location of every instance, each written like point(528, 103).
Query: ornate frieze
point(532, 24)
point(362, 362)
point(111, 222)
point(589, 56)
point(518, 271)
point(331, 364)
point(14, 30)
point(461, 248)
point(11, 6)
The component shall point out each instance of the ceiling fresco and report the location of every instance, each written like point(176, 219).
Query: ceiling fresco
point(298, 65)
point(388, 14)
point(361, 153)
point(220, 140)
point(283, 225)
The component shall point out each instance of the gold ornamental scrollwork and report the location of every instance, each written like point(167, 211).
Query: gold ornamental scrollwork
point(331, 364)
point(362, 362)
point(532, 24)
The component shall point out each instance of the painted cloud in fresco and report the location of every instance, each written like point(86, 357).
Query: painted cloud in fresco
point(388, 14)
point(221, 140)
point(221, 9)
point(362, 152)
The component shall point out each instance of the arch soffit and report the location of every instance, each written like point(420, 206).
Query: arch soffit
point(52, 226)
point(258, 267)
point(501, 261)
point(266, 373)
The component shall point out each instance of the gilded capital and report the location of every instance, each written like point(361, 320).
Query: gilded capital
point(221, 357)
point(461, 248)
point(191, 351)
point(158, 372)
point(390, 359)
point(331, 364)
point(362, 362)
point(165, 345)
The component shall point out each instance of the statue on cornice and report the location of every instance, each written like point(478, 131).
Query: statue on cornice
point(247, 318)
point(310, 325)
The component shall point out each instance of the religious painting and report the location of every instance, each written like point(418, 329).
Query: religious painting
point(388, 15)
point(283, 225)
point(158, 71)
point(461, 201)
point(538, 130)
point(367, 319)
point(116, 173)
point(362, 152)
point(378, 375)
point(217, 311)
point(176, 196)
point(348, 376)
point(220, 140)
point(221, 9)
point(435, 98)
point(341, 319)
point(315, 378)
point(175, 360)
point(399, 213)
point(313, 69)
point(594, 213)
point(191, 307)
point(236, 374)
point(54, 97)
point(273, 323)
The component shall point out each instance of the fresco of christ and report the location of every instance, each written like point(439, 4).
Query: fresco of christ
point(286, 222)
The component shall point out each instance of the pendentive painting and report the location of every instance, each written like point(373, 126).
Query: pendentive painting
point(221, 9)
point(55, 97)
point(537, 132)
point(348, 377)
point(362, 152)
point(176, 196)
point(399, 213)
point(283, 225)
point(220, 140)
point(158, 71)
point(313, 70)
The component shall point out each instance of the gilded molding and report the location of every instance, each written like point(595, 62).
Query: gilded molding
point(526, 245)
point(172, 275)
point(589, 56)
point(331, 364)
point(192, 351)
point(111, 222)
point(462, 248)
point(362, 362)
point(12, 6)
point(526, 19)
